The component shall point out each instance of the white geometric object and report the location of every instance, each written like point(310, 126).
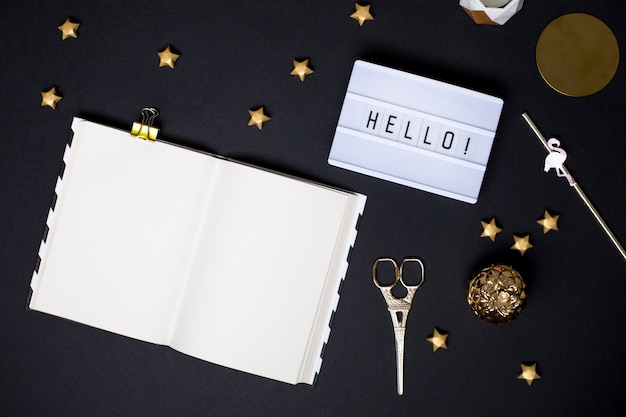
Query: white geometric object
point(415, 131)
point(485, 15)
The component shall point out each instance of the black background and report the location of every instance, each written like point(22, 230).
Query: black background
point(237, 56)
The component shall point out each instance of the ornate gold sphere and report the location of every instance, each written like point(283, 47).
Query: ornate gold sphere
point(496, 294)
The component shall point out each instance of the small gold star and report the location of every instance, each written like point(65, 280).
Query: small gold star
point(529, 373)
point(69, 29)
point(257, 117)
point(50, 98)
point(490, 229)
point(438, 340)
point(167, 57)
point(362, 13)
point(522, 244)
point(301, 69)
point(548, 222)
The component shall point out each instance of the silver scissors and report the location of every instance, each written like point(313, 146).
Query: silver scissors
point(398, 307)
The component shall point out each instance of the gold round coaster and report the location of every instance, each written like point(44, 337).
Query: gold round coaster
point(577, 54)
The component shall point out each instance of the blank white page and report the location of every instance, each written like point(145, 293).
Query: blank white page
point(262, 261)
point(121, 233)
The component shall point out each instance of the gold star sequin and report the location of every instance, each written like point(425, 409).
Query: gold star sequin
point(490, 229)
point(257, 117)
point(548, 222)
point(529, 373)
point(50, 98)
point(361, 13)
point(301, 69)
point(522, 244)
point(438, 340)
point(167, 58)
point(69, 29)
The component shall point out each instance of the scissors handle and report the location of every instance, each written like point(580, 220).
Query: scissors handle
point(396, 271)
point(409, 260)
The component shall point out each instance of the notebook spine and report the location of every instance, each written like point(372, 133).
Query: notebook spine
point(58, 189)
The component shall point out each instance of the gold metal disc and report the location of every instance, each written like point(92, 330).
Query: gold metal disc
point(577, 54)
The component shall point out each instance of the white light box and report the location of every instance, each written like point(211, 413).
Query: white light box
point(415, 131)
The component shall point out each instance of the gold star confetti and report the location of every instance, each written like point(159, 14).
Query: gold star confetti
point(257, 117)
point(548, 222)
point(69, 29)
point(50, 98)
point(362, 13)
point(438, 340)
point(301, 69)
point(529, 373)
point(522, 244)
point(167, 57)
point(490, 229)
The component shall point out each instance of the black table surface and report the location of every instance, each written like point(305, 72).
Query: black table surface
point(236, 56)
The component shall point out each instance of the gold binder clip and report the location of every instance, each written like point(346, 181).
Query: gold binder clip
point(145, 130)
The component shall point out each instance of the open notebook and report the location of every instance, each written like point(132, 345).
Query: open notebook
point(220, 260)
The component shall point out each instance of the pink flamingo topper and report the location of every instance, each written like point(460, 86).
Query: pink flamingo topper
point(555, 159)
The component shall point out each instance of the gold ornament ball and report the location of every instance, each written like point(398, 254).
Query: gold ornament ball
point(496, 294)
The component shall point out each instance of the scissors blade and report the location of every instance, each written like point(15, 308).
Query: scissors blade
point(399, 333)
point(399, 315)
